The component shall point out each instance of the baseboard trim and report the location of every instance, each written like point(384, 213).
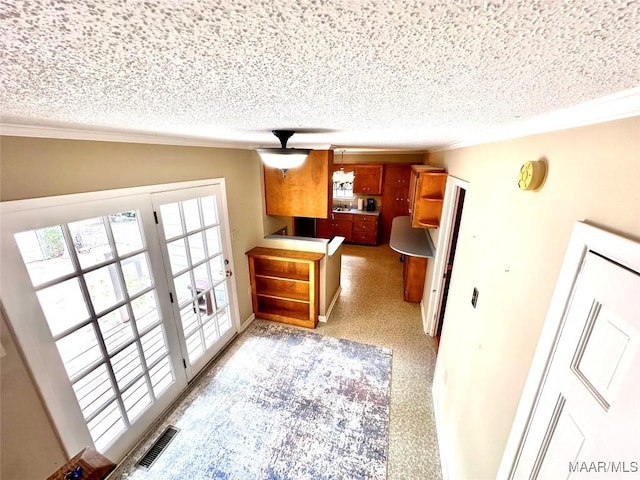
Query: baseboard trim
point(325, 318)
point(445, 456)
point(247, 322)
point(423, 317)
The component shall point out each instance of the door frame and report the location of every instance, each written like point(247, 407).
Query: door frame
point(584, 238)
point(445, 237)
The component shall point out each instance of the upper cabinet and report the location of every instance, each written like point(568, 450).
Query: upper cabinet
point(397, 175)
point(426, 196)
point(368, 179)
point(306, 190)
point(395, 192)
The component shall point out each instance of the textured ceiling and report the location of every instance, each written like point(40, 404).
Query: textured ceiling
point(363, 73)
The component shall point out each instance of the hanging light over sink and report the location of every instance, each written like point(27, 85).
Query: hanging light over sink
point(283, 158)
point(342, 177)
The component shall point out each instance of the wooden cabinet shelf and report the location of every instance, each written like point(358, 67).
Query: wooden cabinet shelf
point(285, 285)
point(426, 196)
point(428, 222)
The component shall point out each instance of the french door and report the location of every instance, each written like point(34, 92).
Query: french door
point(117, 303)
point(198, 270)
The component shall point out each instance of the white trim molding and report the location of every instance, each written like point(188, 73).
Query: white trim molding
point(324, 318)
point(244, 325)
point(432, 311)
point(617, 106)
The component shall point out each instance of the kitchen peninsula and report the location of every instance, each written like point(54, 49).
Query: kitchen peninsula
point(416, 246)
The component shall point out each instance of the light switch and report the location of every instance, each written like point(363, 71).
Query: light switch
point(474, 298)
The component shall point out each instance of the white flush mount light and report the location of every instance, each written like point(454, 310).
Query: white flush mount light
point(283, 158)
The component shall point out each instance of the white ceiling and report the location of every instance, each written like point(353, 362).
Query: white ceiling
point(380, 74)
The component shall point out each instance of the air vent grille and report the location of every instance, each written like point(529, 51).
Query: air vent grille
point(157, 448)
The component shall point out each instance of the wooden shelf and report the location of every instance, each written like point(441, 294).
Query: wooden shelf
point(426, 196)
point(283, 312)
point(272, 287)
point(276, 277)
point(285, 285)
point(429, 222)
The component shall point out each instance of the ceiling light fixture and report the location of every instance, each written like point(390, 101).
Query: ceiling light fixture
point(283, 158)
point(340, 176)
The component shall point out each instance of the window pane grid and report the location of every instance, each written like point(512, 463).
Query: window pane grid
point(167, 213)
point(194, 248)
point(79, 270)
point(99, 342)
point(161, 375)
point(109, 310)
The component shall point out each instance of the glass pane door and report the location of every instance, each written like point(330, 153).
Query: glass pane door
point(90, 288)
point(199, 269)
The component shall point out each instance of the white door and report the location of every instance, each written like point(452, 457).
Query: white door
point(195, 245)
point(584, 421)
point(117, 300)
point(84, 291)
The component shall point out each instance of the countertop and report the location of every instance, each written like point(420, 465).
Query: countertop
point(355, 211)
point(415, 242)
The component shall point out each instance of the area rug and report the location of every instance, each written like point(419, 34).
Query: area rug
point(282, 403)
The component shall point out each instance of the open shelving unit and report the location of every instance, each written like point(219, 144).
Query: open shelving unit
point(429, 188)
point(285, 285)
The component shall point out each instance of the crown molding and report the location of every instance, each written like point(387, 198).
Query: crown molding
point(377, 151)
point(75, 133)
point(617, 106)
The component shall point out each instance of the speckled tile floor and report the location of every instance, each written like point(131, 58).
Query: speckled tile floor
point(370, 309)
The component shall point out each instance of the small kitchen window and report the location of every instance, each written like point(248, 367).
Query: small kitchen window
point(343, 190)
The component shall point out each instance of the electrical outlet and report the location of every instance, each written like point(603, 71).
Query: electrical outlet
point(474, 298)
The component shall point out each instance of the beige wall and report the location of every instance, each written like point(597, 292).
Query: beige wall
point(411, 158)
point(511, 247)
point(32, 167)
point(25, 425)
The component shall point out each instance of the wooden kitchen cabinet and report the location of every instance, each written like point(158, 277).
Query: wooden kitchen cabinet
point(426, 196)
point(306, 191)
point(413, 274)
point(368, 179)
point(324, 227)
point(343, 225)
point(337, 224)
point(397, 175)
point(285, 285)
point(395, 194)
point(354, 227)
point(365, 229)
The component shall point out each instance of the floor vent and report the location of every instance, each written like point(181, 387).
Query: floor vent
point(157, 448)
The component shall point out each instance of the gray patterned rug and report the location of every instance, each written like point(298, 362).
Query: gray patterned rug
point(281, 403)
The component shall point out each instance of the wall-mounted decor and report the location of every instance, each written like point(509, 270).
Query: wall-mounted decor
point(532, 175)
